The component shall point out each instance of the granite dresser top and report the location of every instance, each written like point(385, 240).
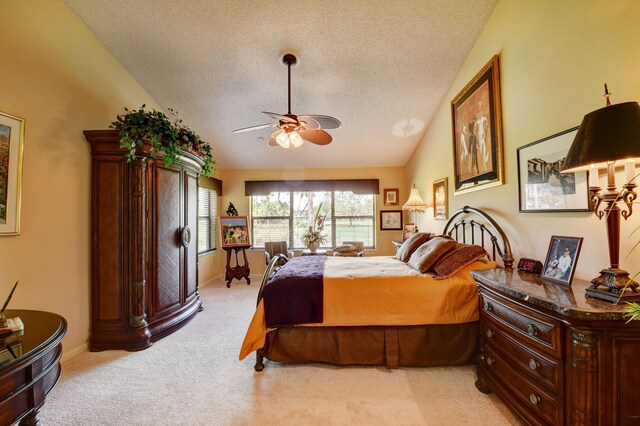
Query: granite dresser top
point(566, 300)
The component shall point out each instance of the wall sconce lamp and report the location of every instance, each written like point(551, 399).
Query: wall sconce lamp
point(415, 204)
point(608, 136)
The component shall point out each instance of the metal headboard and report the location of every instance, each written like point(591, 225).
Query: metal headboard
point(462, 228)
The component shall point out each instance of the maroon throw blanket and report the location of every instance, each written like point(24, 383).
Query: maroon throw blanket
point(294, 295)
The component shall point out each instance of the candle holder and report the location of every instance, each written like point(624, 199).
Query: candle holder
point(616, 280)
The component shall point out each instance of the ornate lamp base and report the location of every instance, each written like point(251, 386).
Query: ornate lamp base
point(618, 286)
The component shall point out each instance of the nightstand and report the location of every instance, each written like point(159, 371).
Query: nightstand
point(553, 355)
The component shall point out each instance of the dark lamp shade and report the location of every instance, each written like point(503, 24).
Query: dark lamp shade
point(608, 134)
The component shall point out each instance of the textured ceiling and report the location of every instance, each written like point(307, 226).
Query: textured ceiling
point(380, 67)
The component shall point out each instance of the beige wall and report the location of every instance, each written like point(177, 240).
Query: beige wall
point(554, 58)
point(61, 80)
point(233, 190)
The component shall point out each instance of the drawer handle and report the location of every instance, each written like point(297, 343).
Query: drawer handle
point(532, 330)
point(487, 306)
point(489, 334)
point(490, 360)
point(534, 399)
point(533, 364)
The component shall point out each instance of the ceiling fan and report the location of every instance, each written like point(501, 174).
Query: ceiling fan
point(293, 129)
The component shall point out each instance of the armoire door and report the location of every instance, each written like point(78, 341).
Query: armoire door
point(191, 222)
point(167, 260)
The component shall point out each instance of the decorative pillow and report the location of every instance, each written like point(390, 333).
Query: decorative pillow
point(426, 256)
point(345, 248)
point(460, 257)
point(411, 244)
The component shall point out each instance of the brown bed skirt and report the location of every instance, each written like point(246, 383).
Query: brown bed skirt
point(392, 346)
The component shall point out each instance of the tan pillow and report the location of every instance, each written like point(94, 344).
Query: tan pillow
point(457, 259)
point(413, 242)
point(345, 248)
point(430, 252)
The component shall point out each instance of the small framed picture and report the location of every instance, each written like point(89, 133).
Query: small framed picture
point(391, 196)
point(391, 220)
point(408, 230)
point(441, 199)
point(561, 260)
point(234, 231)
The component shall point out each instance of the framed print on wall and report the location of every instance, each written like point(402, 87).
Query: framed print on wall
point(234, 231)
point(476, 117)
point(441, 199)
point(11, 146)
point(541, 186)
point(562, 256)
point(390, 220)
point(391, 196)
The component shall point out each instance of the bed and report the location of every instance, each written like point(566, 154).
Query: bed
point(375, 310)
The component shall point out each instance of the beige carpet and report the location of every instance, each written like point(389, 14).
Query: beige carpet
point(193, 377)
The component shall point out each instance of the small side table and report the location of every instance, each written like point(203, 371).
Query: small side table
point(307, 252)
point(238, 271)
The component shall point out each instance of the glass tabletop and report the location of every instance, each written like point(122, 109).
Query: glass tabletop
point(40, 328)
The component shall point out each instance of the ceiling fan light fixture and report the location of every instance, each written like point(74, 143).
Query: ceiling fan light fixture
point(283, 140)
point(295, 139)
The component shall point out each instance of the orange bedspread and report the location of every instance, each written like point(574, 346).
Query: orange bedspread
point(380, 290)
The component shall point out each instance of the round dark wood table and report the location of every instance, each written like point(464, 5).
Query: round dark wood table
point(29, 365)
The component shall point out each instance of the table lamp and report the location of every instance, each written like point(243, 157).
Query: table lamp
point(415, 204)
point(608, 137)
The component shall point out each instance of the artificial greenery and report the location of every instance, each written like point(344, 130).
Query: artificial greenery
point(314, 232)
point(165, 136)
point(632, 311)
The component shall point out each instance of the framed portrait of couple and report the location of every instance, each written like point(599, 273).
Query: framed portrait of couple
point(477, 132)
point(562, 256)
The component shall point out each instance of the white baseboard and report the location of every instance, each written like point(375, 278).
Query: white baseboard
point(67, 355)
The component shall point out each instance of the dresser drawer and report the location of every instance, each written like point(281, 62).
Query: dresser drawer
point(529, 361)
point(532, 328)
point(529, 399)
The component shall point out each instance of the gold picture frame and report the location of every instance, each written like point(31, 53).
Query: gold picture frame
point(441, 199)
point(476, 116)
point(11, 153)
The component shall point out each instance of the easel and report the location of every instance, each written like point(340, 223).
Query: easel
point(238, 271)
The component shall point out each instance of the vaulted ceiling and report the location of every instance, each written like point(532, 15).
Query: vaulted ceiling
point(380, 67)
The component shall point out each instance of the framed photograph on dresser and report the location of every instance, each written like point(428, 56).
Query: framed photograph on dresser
point(562, 257)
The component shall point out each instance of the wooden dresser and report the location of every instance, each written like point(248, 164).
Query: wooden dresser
point(144, 256)
point(555, 356)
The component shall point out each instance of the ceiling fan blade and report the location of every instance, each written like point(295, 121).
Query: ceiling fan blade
point(325, 121)
point(272, 139)
point(308, 123)
point(318, 137)
point(280, 117)
point(258, 127)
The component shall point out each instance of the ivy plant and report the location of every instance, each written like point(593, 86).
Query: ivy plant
point(135, 127)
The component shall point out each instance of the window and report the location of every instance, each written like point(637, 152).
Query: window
point(207, 238)
point(283, 216)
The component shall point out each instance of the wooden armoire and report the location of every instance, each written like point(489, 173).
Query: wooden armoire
point(144, 256)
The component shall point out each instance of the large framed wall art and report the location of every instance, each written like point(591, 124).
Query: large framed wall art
point(477, 132)
point(11, 146)
point(541, 186)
